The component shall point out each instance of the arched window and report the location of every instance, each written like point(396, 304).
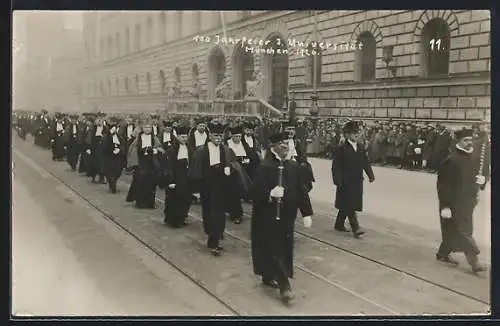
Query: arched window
point(127, 87)
point(435, 48)
point(102, 49)
point(127, 41)
point(137, 44)
point(163, 27)
point(195, 72)
point(149, 32)
point(313, 64)
point(103, 92)
point(110, 90)
point(148, 80)
point(118, 45)
point(366, 57)
point(162, 82)
point(137, 86)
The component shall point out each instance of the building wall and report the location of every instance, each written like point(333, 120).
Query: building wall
point(463, 94)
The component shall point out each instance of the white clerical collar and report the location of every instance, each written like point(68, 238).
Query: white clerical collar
point(275, 154)
point(249, 140)
point(353, 144)
point(238, 148)
point(468, 151)
point(183, 152)
point(213, 154)
point(116, 140)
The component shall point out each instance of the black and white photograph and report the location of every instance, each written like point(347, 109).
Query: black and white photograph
point(251, 163)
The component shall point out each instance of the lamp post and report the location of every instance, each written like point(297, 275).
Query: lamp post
point(314, 110)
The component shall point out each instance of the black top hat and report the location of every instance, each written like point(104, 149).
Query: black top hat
point(248, 125)
point(350, 127)
point(200, 120)
point(155, 116)
point(237, 130)
point(459, 134)
point(167, 123)
point(278, 137)
point(182, 130)
point(289, 124)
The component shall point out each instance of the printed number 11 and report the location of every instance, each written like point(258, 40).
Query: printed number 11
point(437, 42)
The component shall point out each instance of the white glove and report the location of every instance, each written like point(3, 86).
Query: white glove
point(227, 170)
point(116, 151)
point(446, 213)
point(307, 221)
point(246, 161)
point(171, 186)
point(155, 151)
point(418, 151)
point(65, 147)
point(52, 140)
point(89, 151)
point(424, 163)
point(480, 180)
point(277, 192)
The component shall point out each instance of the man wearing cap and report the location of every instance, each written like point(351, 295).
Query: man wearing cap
point(458, 183)
point(85, 129)
point(155, 127)
point(167, 136)
point(176, 180)
point(144, 157)
point(113, 153)
point(350, 162)
point(57, 139)
point(198, 136)
point(441, 148)
point(71, 142)
point(209, 172)
point(252, 148)
point(126, 132)
point(279, 191)
point(94, 142)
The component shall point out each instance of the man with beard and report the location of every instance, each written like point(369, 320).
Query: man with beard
point(94, 143)
point(126, 132)
point(71, 141)
point(167, 137)
point(86, 125)
point(44, 130)
point(210, 171)
point(252, 149)
point(113, 154)
point(57, 138)
point(458, 185)
point(155, 127)
point(177, 186)
point(278, 192)
point(441, 148)
point(144, 157)
point(350, 162)
point(198, 136)
point(234, 206)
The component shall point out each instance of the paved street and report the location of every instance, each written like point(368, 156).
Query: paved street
point(68, 260)
point(394, 267)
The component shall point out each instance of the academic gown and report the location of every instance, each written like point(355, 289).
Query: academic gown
point(57, 139)
point(124, 134)
point(71, 141)
point(95, 159)
point(177, 200)
point(113, 164)
point(192, 139)
point(213, 186)
point(253, 155)
point(147, 167)
point(273, 240)
point(457, 190)
point(83, 136)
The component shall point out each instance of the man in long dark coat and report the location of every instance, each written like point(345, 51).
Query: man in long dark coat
point(86, 126)
point(210, 172)
point(441, 148)
point(198, 136)
point(57, 137)
point(113, 154)
point(94, 150)
point(458, 184)
point(71, 141)
point(127, 132)
point(252, 148)
point(350, 162)
point(144, 157)
point(276, 201)
point(178, 190)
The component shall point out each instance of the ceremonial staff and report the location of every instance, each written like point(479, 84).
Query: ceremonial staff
point(280, 184)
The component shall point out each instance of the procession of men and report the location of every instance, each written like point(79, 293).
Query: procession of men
point(224, 164)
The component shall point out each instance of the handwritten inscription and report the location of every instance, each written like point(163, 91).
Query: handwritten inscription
point(277, 46)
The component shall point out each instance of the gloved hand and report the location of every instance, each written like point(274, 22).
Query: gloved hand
point(446, 213)
point(155, 151)
point(89, 151)
point(116, 151)
point(371, 179)
point(227, 170)
point(480, 180)
point(424, 163)
point(171, 186)
point(277, 192)
point(307, 221)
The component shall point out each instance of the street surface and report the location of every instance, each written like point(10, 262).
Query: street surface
point(100, 270)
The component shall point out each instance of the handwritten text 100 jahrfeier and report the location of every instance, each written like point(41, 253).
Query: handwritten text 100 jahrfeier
point(293, 46)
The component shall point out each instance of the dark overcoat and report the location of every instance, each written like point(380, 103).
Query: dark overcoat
point(347, 173)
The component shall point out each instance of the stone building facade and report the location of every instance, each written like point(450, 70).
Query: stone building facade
point(419, 64)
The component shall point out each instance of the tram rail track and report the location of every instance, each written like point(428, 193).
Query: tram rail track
point(306, 270)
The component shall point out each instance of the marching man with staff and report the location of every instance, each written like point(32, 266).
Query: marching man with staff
point(279, 190)
point(458, 183)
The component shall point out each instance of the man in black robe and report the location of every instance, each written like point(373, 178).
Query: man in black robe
point(350, 162)
point(57, 137)
point(252, 148)
point(167, 136)
point(177, 186)
point(144, 157)
point(86, 126)
point(279, 190)
point(113, 154)
point(441, 148)
point(127, 132)
point(198, 136)
point(71, 141)
point(94, 143)
point(458, 183)
point(210, 172)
